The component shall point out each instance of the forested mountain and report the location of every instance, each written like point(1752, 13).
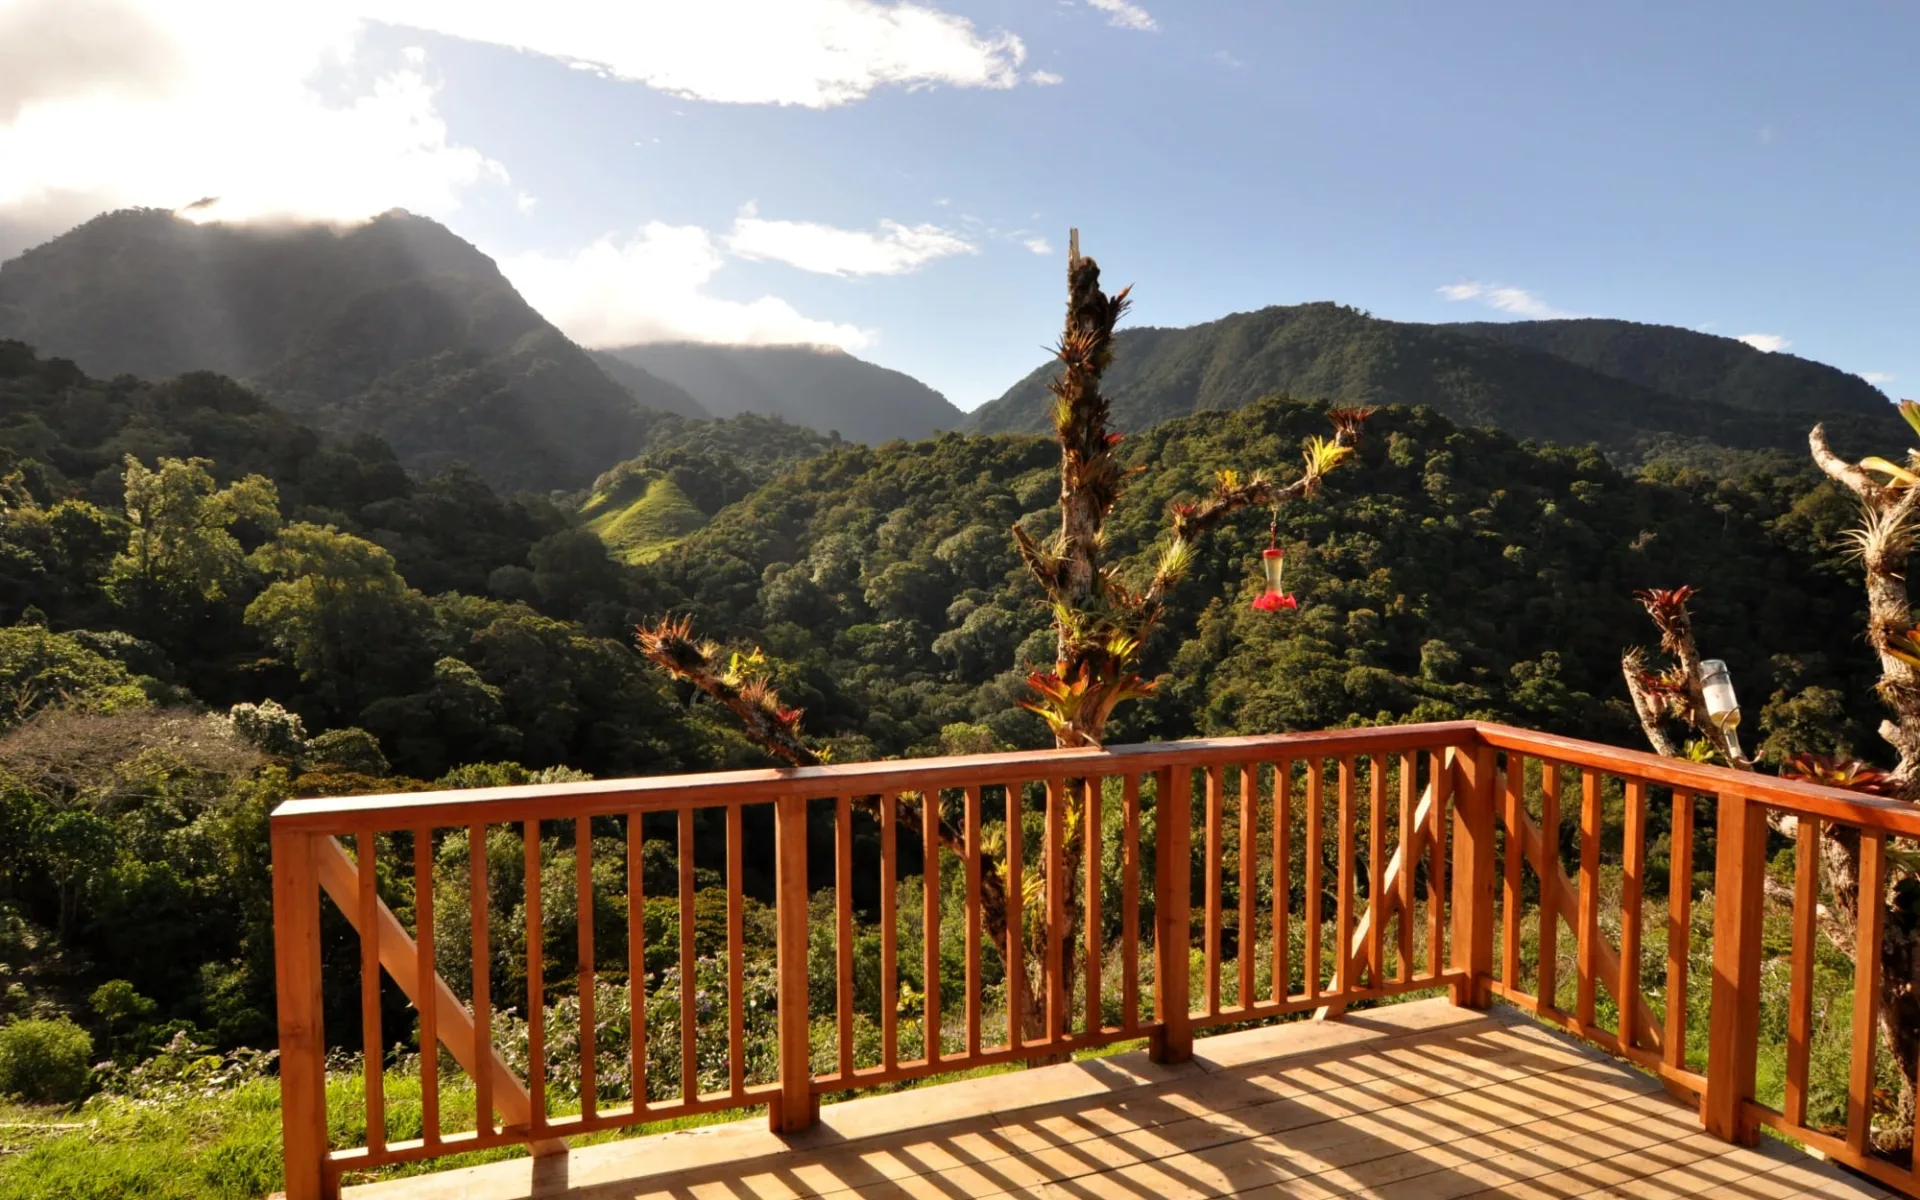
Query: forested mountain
point(395, 327)
point(1340, 355)
point(1697, 366)
point(816, 386)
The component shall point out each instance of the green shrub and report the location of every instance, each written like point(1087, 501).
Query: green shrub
point(45, 1060)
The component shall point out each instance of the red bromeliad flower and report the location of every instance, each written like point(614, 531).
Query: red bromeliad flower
point(1276, 597)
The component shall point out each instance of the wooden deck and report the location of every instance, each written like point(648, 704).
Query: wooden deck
point(1414, 1100)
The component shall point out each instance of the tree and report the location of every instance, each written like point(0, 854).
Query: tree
point(1101, 622)
point(341, 613)
point(181, 555)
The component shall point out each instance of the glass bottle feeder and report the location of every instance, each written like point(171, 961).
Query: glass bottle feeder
point(1275, 598)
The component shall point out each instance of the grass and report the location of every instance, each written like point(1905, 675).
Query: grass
point(637, 528)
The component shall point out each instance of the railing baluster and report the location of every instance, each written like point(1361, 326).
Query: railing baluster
point(1053, 973)
point(426, 971)
point(1376, 869)
point(843, 929)
point(296, 953)
point(1510, 895)
point(1442, 783)
point(1016, 916)
point(1316, 819)
point(373, 1051)
point(1806, 898)
point(1632, 880)
point(930, 922)
point(583, 922)
point(1282, 885)
point(1345, 830)
point(637, 961)
point(1173, 915)
point(482, 980)
point(1409, 858)
point(973, 918)
point(1679, 927)
point(736, 955)
point(1733, 1024)
point(1215, 816)
point(1093, 1020)
point(689, 1058)
point(794, 1107)
point(536, 983)
point(889, 938)
point(1130, 904)
point(1589, 931)
point(1249, 835)
point(1549, 862)
point(1866, 988)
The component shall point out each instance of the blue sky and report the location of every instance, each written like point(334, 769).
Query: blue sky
point(1746, 168)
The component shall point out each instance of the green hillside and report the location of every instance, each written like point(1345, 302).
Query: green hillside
point(817, 386)
point(1339, 355)
point(643, 518)
point(395, 327)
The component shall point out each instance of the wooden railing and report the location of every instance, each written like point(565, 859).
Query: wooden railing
point(1335, 868)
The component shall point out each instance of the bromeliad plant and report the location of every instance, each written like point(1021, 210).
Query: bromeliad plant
point(1102, 621)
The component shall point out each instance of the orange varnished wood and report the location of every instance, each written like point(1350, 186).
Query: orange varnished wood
point(536, 980)
point(636, 960)
point(737, 952)
point(1096, 944)
point(1679, 927)
point(583, 925)
point(1515, 779)
point(889, 936)
point(1806, 899)
point(689, 1061)
point(843, 928)
point(303, 1079)
point(1442, 777)
point(482, 976)
point(1173, 932)
point(1587, 935)
point(972, 865)
point(1249, 843)
point(1130, 904)
point(1866, 989)
point(1344, 833)
point(1282, 878)
point(930, 922)
point(1546, 868)
point(1216, 818)
point(1409, 858)
point(1016, 914)
point(1632, 884)
point(1053, 974)
point(374, 1049)
point(1733, 1027)
point(1471, 904)
point(792, 1106)
point(1376, 869)
point(428, 969)
point(1316, 819)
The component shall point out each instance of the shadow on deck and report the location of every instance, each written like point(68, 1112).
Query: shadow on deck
point(1413, 1100)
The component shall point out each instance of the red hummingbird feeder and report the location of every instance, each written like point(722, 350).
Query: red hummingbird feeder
point(1273, 561)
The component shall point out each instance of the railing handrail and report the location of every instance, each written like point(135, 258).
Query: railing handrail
point(404, 810)
point(407, 810)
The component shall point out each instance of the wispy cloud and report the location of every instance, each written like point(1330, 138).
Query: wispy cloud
point(1226, 58)
point(890, 249)
point(1038, 245)
point(651, 287)
point(1123, 15)
point(1767, 342)
point(1876, 378)
point(1517, 301)
point(1046, 79)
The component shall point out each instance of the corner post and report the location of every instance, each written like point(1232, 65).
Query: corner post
point(794, 1108)
point(1733, 1036)
point(1172, 1042)
point(1472, 900)
point(296, 963)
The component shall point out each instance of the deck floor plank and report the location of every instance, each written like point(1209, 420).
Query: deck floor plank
point(1417, 1100)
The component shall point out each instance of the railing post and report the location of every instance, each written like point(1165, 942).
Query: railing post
point(1472, 900)
point(1733, 1037)
point(1172, 1042)
point(296, 954)
point(794, 1108)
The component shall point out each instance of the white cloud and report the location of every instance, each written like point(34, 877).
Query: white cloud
point(892, 249)
point(1876, 378)
point(1124, 15)
point(1046, 79)
point(1038, 245)
point(1226, 58)
point(1768, 342)
point(278, 110)
point(1517, 301)
point(815, 53)
point(651, 288)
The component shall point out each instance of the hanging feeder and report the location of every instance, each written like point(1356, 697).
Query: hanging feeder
point(1273, 561)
